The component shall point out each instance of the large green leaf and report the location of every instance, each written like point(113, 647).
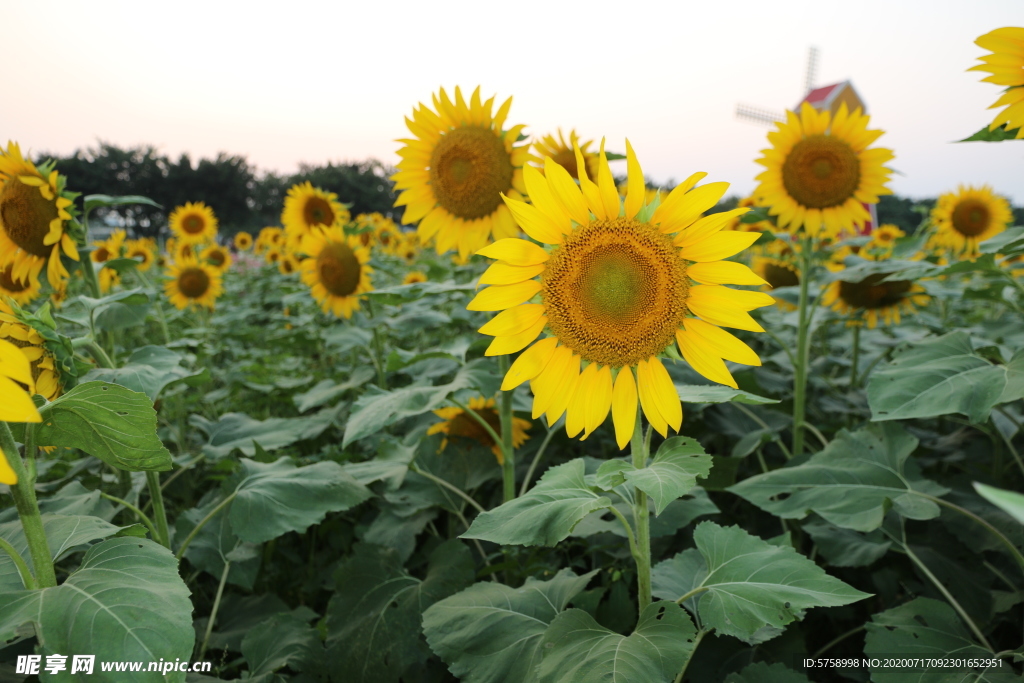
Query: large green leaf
point(1014, 388)
point(491, 633)
point(674, 471)
point(125, 308)
point(998, 134)
point(852, 483)
point(679, 513)
point(149, 370)
point(373, 620)
point(746, 583)
point(209, 551)
point(921, 628)
point(845, 547)
point(64, 533)
point(125, 603)
point(274, 498)
point(1010, 502)
point(238, 430)
point(578, 649)
point(115, 424)
point(377, 409)
point(93, 201)
point(547, 513)
point(326, 390)
point(283, 640)
point(1009, 242)
point(936, 377)
point(716, 393)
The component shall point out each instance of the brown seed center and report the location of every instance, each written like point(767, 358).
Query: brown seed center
point(318, 211)
point(25, 216)
point(338, 268)
point(821, 171)
point(193, 224)
point(193, 282)
point(871, 292)
point(971, 218)
point(469, 168)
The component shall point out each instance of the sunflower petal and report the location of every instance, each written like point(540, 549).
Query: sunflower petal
point(725, 344)
point(552, 379)
point(719, 246)
point(530, 363)
point(576, 412)
point(533, 222)
point(645, 386)
point(501, 273)
point(516, 342)
point(636, 189)
point(567, 191)
point(515, 251)
point(665, 394)
point(599, 400)
point(513, 320)
point(624, 406)
point(500, 297)
point(723, 273)
point(703, 358)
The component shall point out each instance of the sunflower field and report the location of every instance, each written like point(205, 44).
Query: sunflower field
point(545, 422)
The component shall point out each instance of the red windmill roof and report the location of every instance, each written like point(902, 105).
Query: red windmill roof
point(821, 94)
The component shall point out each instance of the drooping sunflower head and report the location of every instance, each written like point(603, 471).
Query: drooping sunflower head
point(455, 169)
point(563, 153)
point(457, 425)
point(45, 373)
point(193, 223)
point(141, 251)
point(874, 298)
point(217, 257)
point(414, 277)
point(34, 210)
point(620, 282)
point(22, 291)
point(820, 171)
point(1006, 67)
point(191, 282)
point(243, 241)
point(969, 216)
point(336, 270)
point(307, 208)
point(109, 248)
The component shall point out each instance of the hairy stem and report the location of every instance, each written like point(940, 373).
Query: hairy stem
point(138, 513)
point(641, 517)
point(448, 485)
point(26, 574)
point(802, 349)
point(156, 494)
point(203, 522)
point(856, 357)
point(24, 493)
point(216, 606)
point(696, 642)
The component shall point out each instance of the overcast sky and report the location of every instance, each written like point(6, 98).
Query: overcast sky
point(298, 81)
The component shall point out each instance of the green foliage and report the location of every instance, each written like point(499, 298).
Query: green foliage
point(150, 370)
point(998, 134)
point(673, 473)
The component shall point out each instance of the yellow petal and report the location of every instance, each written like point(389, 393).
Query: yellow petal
point(560, 401)
point(513, 321)
point(705, 301)
point(725, 344)
point(515, 251)
point(576, 413)
point(533, 222)
point(599, 400)
point(665, 394)
point(703, 359)
point(500, 297)
point(543, 198)
point(647, 402)
point(719, 246)
point(16, 405)
point(589, 188)
point(679, 210)
point(501, 273)
point(636, 189)
point(14, 364)
point(516, 342)
point(530, 363)
point(624, 406)
point(567, 192)
point(552, 379)
point(606, 186)
point(705, 227)
point(7, 475)
point(722, 273)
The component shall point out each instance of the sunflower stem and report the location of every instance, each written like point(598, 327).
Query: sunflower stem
point(802, 349)
point(156, 495)
point(856, 357)
point(24, 493)
point(101, 357)
point(85, 256)
point(641, 517)
point(161, 318)
point(508, 466)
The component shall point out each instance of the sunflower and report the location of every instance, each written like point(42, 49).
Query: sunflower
point(336, 270)
point(269, 237)
point(22, 291)
point(33, 210)
point(457, 425)
point(414, 277)
point(243, 241)
point(969, 216)
point(194, 223)
point(455, 169)
point(1006, 66)
point(820, 172)
point(884, 237)
point(273, 255)
point(185, 250)
point(288, 264)
point(872, 299)
point(108, 279)
point(307, 208)
point(621, 283)
point(45, 376)
point(191, 282)
point(760, 226)
point(778, 266)
point(109, 248)
point(563, 154)
point(216, 257)
point(142, 251)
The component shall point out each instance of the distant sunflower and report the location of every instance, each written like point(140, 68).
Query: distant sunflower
point(336, 270)
point(269, 237)
point(273, 255)
point(191, 282)
point(759, 226)
point(194, 223)
point(623, 282)
point(1006, 66)
point(108, 279)
point(33, 211)
point(969, 216)
point(217, 257)
point(109, 248)
point(142, 252)
point(414, 277)
point(458, 425)
point(871, 299)
point(820, 172)
point(45, 376)
point(455, 169)
point(288, 264)
point(777, 272)
point(884, 237)
point(22, 291)
point(243, 241)
point(307, 208)
point(562, 152)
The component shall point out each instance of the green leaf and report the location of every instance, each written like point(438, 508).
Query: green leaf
point(999, 134)
point(716, 393)
point(1014, 388)
point(109, 422)
point(547, 513)
point(402, 294)
point(238, 430)
point(116, 311)
point(852, 483)
point(274, 498)
point(327, 390)
point(679, 514)
point(674, 471)
point(748, 583)
point(491, 633)
point(1010, 502)
point(95, 201)
point(1008, 243)
point(377, 409)
point(149, 370)
point(63, 535)
point(578, 649)
point(373, 620)
point(920, 628)
point(391, 463)
point(125, 603)
point(210, 548)
point(283, 640)
point(936, 377)
point(845, 547)
point(762, 672)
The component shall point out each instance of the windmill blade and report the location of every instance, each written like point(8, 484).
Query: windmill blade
point(765, 117)
point(811, 78)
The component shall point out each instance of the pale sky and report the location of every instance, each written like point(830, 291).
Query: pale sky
point(303, 81)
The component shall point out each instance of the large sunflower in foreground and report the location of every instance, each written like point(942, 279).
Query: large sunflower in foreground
point(336, 270)
point(1006, 66)
point(33, 213)
point(562, 152)
point(16, 388)
point(969, 216)
point(307, 208)
point(820, 171)
point(458, 425)
point(193, 223)
point(190, 282)
point(454, 171)
point(621, 282)
point(45, 377)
